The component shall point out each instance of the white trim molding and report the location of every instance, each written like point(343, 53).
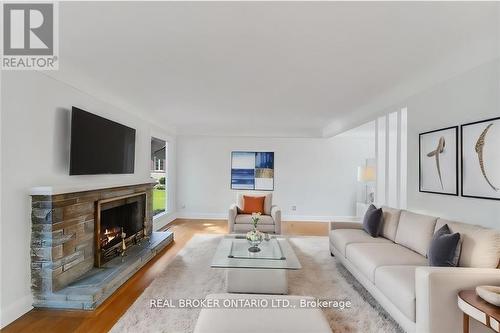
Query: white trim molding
point(285, 218)
point(391, 154)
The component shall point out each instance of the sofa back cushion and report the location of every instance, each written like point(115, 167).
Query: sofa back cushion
point(480, 246)
point(390, 221)
point(268, 200)
point(415, 231)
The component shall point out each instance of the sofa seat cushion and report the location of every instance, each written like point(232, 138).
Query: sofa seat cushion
point(367, 257)
point(397, 283)
point(247, 219)
point(280, 320)
point(415, 231)
point(340, 238)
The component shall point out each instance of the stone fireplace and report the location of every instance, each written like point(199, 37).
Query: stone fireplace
point(77, 244)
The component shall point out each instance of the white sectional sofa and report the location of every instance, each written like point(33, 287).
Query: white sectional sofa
point(394, 267)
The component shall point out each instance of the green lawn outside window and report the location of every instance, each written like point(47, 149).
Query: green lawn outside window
point(159, 201)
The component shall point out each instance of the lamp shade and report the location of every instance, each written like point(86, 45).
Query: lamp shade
point(366, 174)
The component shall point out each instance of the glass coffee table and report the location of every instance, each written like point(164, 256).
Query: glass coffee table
point(263, 272)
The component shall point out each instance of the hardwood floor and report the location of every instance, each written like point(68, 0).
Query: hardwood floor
point(103, 318)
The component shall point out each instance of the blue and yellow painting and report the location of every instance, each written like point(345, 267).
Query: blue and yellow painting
point(252, 170)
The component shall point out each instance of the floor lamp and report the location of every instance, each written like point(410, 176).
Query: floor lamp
point(366, 175)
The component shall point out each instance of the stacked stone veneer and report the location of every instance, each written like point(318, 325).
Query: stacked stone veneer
point(62, 239)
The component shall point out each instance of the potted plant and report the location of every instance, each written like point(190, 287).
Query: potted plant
point(254, 236)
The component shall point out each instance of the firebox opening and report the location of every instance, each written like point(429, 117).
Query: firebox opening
point(114, 219)
point(126, 216)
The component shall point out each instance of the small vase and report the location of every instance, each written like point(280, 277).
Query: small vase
point(254, 237)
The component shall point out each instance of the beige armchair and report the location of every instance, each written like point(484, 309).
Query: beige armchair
point(270, 220)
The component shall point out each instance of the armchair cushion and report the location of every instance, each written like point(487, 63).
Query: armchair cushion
point(268, 201)
point(253, 204)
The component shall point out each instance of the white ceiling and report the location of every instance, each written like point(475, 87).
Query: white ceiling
point(281, 69)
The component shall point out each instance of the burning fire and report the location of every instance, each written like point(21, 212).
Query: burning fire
point(109, 235)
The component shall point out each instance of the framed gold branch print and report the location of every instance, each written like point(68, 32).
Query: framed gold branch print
point(438, 161)
point(481, 159)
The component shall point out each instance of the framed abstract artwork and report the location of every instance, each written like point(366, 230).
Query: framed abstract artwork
point(481, 159)
point(438, 161)
point(252, 170)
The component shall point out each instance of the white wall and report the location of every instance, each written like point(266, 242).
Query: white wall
point(470, 96)
point(316, 175)
point(35, 152)
point(1, 220)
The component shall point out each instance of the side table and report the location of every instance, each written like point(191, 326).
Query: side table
point(474, 306)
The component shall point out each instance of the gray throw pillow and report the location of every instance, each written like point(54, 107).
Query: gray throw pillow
point(443, 249)
point(372, 222)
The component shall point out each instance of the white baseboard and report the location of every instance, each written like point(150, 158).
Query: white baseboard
point(223, 216)
point(202, 216)
point(319, 218)
point(15, 310)
point(306, 218)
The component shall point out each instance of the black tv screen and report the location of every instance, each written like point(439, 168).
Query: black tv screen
point(99, 145)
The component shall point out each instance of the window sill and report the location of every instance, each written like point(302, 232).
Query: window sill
point(160, 215)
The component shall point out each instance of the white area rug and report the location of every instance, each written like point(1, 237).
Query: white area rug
point(190, 276)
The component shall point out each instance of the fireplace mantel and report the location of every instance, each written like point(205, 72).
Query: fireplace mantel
point(64, 189)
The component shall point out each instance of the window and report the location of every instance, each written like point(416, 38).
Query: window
point(159, 172)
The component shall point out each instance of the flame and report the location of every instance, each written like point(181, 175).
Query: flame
point(109, 235)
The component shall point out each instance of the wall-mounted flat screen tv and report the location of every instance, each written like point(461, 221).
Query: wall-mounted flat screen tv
point(99, 145)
